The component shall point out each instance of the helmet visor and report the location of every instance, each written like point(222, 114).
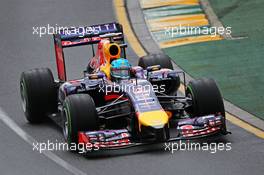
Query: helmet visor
point(122, 73)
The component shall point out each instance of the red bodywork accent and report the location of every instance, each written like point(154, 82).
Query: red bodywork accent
point(113, 97)
point(206, 131)
point(82, 138)
point(60, 62)
point(100, 53)
point(81, 41)
point(118, 143)
point(189, 131)
point(99, 58)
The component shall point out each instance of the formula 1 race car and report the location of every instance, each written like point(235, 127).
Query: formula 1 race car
point(116, 105)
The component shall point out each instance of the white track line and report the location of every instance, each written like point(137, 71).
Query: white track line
point(20, 132)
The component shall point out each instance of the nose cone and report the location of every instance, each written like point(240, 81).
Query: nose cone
point(156, 119)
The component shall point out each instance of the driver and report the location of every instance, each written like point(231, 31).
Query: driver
point(120, 69)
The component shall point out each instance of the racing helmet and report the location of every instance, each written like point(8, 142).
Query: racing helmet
point(120, 69)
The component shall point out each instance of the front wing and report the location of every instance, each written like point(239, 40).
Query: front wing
point(187, 129)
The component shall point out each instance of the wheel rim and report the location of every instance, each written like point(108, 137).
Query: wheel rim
point(23, 96)
point(65, 124)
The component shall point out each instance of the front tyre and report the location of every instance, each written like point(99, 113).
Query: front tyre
point(38, 93)
point(79, 114)
point(206, 98)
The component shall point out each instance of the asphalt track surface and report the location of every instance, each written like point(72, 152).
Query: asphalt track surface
point(21, 50)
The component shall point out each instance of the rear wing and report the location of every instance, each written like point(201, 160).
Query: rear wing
point(77, 36)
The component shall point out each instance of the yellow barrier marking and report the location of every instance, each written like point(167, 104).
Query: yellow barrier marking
point(189, 40)
point(178, 17)
point(130, 36)
point(158, 3)
point(245, 125)
point(178, 23)
point(236, 121)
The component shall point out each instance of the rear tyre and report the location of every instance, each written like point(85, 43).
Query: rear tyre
point(206, 98)
point(38, 93)
point(170, 86)
point(79, 114)
point(155, 59)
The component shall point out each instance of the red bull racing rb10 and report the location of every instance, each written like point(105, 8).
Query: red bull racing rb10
point(116, 105)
